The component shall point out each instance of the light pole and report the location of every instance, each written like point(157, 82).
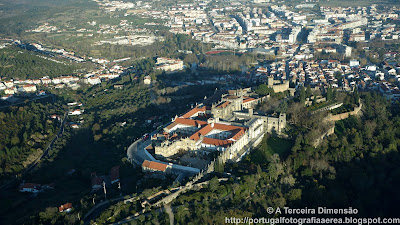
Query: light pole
point(104, 189)
point(119, 187)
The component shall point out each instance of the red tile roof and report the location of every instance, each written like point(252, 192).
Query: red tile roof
point(30, 185)
point(114, 173)
point(221, 126)
point(237, 133)
point(155, 165)
point(203, 131)
point(248, 99)
point(65, 207)
point(194, 111)
point(188, 122)
point(217, 142)
point(97, 181)
point(223, 105)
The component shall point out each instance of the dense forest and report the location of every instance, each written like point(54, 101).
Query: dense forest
point(19, 63)
point(25, 132)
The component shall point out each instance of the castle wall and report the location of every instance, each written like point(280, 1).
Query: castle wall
point(168, 149)
point(281, 87)
point(342, 116)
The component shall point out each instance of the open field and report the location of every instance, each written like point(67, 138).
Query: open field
point(270, 146)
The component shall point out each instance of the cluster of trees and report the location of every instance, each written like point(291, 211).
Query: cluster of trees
point(264, 90)
point(325, 56)
point(24, 131)
point(349, 102)
point(228, 63)
point(305, 93)
point(174, 42)
point(27, 65)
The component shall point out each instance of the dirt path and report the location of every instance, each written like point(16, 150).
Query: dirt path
point(170, 213)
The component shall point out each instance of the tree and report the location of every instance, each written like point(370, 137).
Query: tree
point(14, 140)
point(302, 96)
point(213, 184)
point(181, 213)
point(191, 58)
point(219, 167)
point(329, 93)
point(297, 144)
point(264, 90)
point(294, 194)
point(288, 180)
point(275, 167)
point(308, 91)
point(356, 96)
point(357, 141)
point(283, 107)
point(95, 128)
point(49, 215)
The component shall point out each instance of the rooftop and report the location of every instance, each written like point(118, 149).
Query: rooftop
point(155, 165)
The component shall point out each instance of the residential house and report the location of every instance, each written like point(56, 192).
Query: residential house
point(46, 81)
point(41, 93)
point(76, 112)
point(97, 182)
point(2, 86)
point(6, 97)
point(30, 187)
point(10, 91)
point(27, 88)
point(114, 174)
point(9, 83)
point(93, 80)
point(67, 207)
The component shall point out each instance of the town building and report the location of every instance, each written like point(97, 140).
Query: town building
point(152, 166)
point(169, 65)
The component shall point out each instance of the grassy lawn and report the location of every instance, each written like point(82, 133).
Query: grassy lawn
point(270, 146)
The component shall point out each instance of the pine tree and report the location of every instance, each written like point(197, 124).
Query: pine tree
point(329, 93)
point(356, 96)
point(308, 91)
point(302, 95)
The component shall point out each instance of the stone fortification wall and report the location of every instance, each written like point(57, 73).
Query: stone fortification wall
point(342, 116)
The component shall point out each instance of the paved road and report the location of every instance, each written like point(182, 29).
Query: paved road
point(136, 153)
point(96, 210)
